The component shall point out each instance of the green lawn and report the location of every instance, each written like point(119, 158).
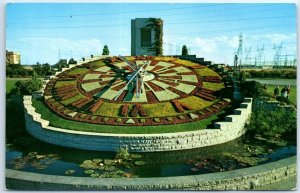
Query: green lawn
point(293, 93)
point(58, 121)
point(10, 84)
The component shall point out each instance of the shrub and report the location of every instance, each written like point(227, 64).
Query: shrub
point(253, 89)
point(273, 122)
point(27, 87)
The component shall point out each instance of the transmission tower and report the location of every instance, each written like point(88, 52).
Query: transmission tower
point(277, 50)
point(177, 49)
point(59, 54)
point(239, 54)
point(248, 56)
point(260, 55)
point(285, 60)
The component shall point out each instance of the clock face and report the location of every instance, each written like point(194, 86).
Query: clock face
point(136, 91)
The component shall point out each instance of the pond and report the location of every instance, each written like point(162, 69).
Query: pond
point(273, 81)
point(26, 153)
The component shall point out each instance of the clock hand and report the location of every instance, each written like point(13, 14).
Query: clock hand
point(133, 67)
point(120, 92)
point(136, 73)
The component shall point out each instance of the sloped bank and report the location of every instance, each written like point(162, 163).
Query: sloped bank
point(241, 179)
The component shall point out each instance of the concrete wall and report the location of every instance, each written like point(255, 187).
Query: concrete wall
point(231, 128)
point(241, 179)
point(136, 49)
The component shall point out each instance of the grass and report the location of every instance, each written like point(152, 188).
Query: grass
point(98, 63)
point(293, 93)
point(73, 99)
point(65, 83)
point(58, 121)
point(213, 86)
point(78, 71)
point(10, 84)
point(206, 72)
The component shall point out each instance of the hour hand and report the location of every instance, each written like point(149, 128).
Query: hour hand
point(131, 65)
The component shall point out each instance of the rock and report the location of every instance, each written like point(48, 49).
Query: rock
point(72, 114)
point(130, 121)
point(69, 172)
point(193, 116)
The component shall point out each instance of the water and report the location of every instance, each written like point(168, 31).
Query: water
point(56, 160)
point(273, 81)
point(160, 164)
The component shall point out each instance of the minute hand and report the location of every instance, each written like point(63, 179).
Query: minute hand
point(129, 64)
point(120, 92)
point(137, 72)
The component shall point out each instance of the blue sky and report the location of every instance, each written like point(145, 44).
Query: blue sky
point(41, 31)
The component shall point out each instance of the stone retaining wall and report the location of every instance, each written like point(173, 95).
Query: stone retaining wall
point(241, 179)
point(231, 128)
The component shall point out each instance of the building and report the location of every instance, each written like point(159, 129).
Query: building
point(142, 37)
point(13, 57)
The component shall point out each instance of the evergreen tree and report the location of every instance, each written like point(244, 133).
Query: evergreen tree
point(184, 51)
point(105, 50)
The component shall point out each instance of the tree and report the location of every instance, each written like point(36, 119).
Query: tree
point(105, 50)
point(72, 61)
point(184, 51)
point(27, 87)
point(16, 70)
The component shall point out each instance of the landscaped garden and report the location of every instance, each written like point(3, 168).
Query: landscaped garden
point(171, 91)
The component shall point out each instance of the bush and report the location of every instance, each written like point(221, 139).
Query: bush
point(253, 89)
point(274, 122)
point(27, 87)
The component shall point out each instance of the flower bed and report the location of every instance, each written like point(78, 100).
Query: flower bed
point(73, 102)
point(96, 106)
point(215, 79)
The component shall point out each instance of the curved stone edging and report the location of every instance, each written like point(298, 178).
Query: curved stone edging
point(241, 179)
point(231, 128)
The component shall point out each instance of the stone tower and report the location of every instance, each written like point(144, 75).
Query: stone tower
point(142, 37)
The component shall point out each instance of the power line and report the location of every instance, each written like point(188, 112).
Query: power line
point(191, 12)
point(119, 12)
point(114, 25)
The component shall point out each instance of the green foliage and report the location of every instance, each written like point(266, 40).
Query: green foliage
point(283, 73)
point(157, 25)
point(242, 76)
point(17, 71)
point(43, 69)
point(253, 89)
point(105, 50)
point(27, 87)
point(184, 50)
point(61, 64)
point(72, 61)
point(273, 122)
